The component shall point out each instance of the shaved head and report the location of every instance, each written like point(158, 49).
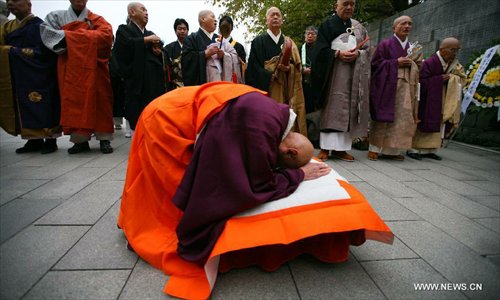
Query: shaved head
point(295, 151)
point(449, 48)
point(449, 42)
point(401, 20)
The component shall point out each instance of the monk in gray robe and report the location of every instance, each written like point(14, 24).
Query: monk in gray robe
point(441, 81)
point(393, 94)
point(340, 70)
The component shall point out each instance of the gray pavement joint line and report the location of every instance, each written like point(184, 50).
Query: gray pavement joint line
point(94, 269)
point(422, 258)
point(440, 229)
point(21, 196)
point(50, 269)
point(293, 279)
point(371, 278)
point(429, 262)
point(69, 249)
point(388, 259)
point(484, 226)
point(34, 221)
point(440, 203)
point(128, 277)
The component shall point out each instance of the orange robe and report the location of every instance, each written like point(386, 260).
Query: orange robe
point(160, 153)
point(83, 73)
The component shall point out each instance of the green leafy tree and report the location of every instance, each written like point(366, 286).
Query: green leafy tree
point(298, 14)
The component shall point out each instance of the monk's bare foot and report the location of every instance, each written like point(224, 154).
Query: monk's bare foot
point(323, 155)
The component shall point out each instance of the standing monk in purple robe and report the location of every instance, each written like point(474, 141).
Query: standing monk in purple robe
point(341, 71)
point(29, 98)
point(441, 81)
point(246, 155)
point(393, 94)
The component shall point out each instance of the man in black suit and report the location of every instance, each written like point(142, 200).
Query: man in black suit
point(173, 52)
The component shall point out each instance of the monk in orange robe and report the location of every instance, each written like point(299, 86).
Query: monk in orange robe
point(83, 41)
point(179, 196)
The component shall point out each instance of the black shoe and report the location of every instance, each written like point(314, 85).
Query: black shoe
point(414, 155)
point(433, 156)
point(79, 147)
point(49, 146)
point(106, 147)
point(31, 146)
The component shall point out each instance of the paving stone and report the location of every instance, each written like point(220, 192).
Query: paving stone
point(489, 186)
point(80, 285)
point(482, 165)
point(8, 156)
point(91, 203)
point(490, 175)
point(492, 201)
point(452, 259)
point(351, 166)
point(11, 189)
point(449, 183)
point(450, 170)
point(118, 173)
point(465, 154)
point(397, 279)
point(385, 184)
point(495, 259)
point(19, 213)
point(119, 155)
point(102, 247)
point(394, 171)
point(385, 207)
point(348, 175)
point(30, 254)
point(10, 172)
point(66, 186)
point(490, 223)
point(145, 282)
point(453, 200)
point(478, 238)
point(254, 283)
point(37, 160)
point(373, 250)
point(317, 280)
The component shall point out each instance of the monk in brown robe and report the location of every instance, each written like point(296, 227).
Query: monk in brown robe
point(276, 70)
point(393, 94)
point(441, 81)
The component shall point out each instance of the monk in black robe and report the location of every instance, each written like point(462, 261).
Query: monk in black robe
point(138, 53)
point(195, 52)
point(274, 66)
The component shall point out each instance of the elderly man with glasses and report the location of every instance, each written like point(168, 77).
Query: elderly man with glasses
point(441, 81)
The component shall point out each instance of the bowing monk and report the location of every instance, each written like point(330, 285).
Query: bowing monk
point(274, 66)
point(208, 171)
point(201, 155)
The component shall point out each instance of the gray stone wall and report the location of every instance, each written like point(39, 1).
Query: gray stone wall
point(474, 22)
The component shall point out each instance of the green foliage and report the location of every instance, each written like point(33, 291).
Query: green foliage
point(298, 14)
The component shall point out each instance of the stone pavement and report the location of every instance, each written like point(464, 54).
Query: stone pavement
point(59, 240)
